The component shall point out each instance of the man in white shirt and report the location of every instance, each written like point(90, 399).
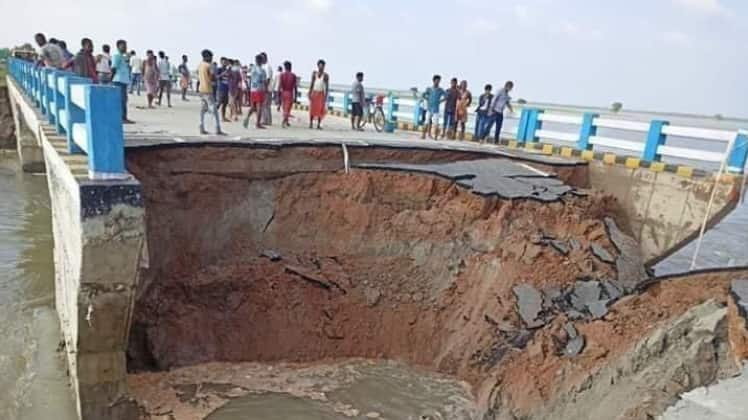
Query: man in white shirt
point(104, 65)
point(51, 54)
point(267, 115)
point(276, 88)
point(136, 64)
point(164, 78)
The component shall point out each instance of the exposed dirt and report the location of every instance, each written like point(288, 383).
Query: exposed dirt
point(7, 126)
point(374, 264)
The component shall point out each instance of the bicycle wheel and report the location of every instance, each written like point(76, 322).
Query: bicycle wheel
point(379, 120)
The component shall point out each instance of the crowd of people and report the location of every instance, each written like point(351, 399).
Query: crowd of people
point(229, 85)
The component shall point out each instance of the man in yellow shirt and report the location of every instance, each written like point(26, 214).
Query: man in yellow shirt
point(208, 101)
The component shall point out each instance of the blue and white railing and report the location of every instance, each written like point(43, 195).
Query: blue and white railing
point(89, 115)
point(652, 141)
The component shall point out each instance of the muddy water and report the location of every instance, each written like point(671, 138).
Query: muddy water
point(382, 390)
point(33, 382)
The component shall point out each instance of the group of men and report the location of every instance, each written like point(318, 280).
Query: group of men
point(122, 69)
point(232, 85)
point(457, 100)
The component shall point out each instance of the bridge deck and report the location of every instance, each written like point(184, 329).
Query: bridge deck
point(179, 124)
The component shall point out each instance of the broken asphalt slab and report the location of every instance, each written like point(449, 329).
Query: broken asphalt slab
point(489, 177)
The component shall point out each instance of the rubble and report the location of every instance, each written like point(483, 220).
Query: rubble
point(529, 305)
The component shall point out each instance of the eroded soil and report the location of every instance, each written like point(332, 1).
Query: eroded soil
point(279, 256)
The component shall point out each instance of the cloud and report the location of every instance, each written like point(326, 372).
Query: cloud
point(522, 13)
point(575, 31)
point(704, 7)
point(676, 38)
point(483, 25)
point(321, 6)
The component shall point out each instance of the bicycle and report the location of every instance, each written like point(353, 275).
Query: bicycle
point(374, 113)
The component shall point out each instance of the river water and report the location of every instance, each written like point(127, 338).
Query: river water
point(33, 381)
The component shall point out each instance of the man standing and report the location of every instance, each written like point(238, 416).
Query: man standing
point(84, 63)
point(164, 78)
point(136, 65)
point(319, 89)
point(121, 75)
point(358, 100)
point(205, 77)
point(276, 87)
point(184, 77)
point(481, 113)
point(267, 115)
point(434, 96)
point(288, 92)
point(496, 111)
point(67, 55)
point(223, 74)
point(259, 91)
point(450, 109)
point(104, 65)
point(51, 55)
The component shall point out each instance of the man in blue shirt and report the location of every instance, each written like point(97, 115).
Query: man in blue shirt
point(258, 89)
point(121, 75)
point(434, 96)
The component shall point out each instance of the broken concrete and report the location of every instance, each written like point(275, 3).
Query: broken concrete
point(690, 351)
point(529, 305)
point(629, 264)
point(739, 293)
point(601, 253)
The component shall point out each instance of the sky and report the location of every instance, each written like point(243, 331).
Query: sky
point(663, 55)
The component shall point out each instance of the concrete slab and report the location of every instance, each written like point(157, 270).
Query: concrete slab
point(722, 401)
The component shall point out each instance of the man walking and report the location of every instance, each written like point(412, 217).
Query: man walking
point(164, 78)
point(104, 65)
point(358, 99)
point(496, 111)
point(205, 77)
point(136, 65)
point(184, 77)
point(121, 75)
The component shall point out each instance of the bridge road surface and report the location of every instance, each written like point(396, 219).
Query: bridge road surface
point(183, 119)
point(180, 123)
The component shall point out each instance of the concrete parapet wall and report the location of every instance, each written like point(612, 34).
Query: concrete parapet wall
point(665, 210)
point(99, 232)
